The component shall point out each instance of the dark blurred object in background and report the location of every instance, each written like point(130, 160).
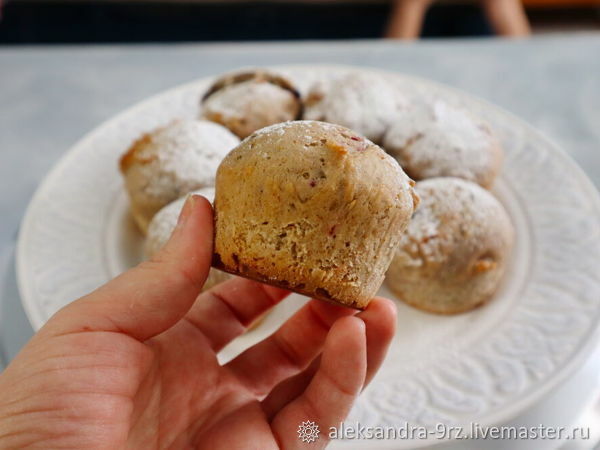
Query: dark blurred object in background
point(72, 21)
point(126, 21)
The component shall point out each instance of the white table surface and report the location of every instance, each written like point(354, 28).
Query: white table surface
point(51, 96)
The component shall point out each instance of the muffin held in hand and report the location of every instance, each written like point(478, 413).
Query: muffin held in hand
point(453, 254)
point(247, 101)
point(162, 225)
point(432, 138)
point(311, 207)
point(172, 161)
point(364, 102)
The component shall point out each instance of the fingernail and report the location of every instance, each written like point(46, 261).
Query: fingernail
point(187, 209)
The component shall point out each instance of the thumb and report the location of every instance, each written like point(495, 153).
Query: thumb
point(155, 295)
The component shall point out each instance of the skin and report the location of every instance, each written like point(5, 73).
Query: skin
point(133, 364)
point(507, 18)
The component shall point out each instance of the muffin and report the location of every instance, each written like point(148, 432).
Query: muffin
point(365, 102)
point(456, 248)
point(311, 207)
point(162, 225)
point(247, 101)
point(432, 138)
point(172, 161)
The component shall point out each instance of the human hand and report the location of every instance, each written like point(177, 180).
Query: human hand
point(134, 365)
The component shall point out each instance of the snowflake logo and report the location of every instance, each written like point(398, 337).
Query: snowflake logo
point(308, 431)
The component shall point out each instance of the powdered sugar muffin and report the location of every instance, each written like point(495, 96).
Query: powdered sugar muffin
point(172, 161)
point(455, 250)
point(365, 102)
point(311, 207)
point(314, 99)
point(432, 138)
point(247, 101)
point(162, 225)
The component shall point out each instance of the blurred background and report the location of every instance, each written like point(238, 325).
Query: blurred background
point(80, 21)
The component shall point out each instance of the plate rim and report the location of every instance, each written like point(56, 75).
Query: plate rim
point(506, 411)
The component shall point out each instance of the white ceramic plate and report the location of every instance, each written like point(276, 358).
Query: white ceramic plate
point(485, 366)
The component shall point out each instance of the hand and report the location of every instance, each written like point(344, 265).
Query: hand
point(133, 364)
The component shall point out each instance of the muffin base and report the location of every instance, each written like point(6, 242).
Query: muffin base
point(447, 312)
point(282, 284)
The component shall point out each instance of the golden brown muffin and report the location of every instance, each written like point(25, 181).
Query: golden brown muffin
point(455, 250)
point(162, 225)
point(247, 101)
point(432, 138)
point(172, 161)
point(311, 207)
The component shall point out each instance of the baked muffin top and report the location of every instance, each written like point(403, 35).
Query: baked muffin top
point(433, 138)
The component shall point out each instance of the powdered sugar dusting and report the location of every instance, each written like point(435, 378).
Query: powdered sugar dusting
point(184, 156)
point(240, 99)
point(279, 129)
point(433, 138)
point(447, 205)
point(314, 106)
point(363, 102)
